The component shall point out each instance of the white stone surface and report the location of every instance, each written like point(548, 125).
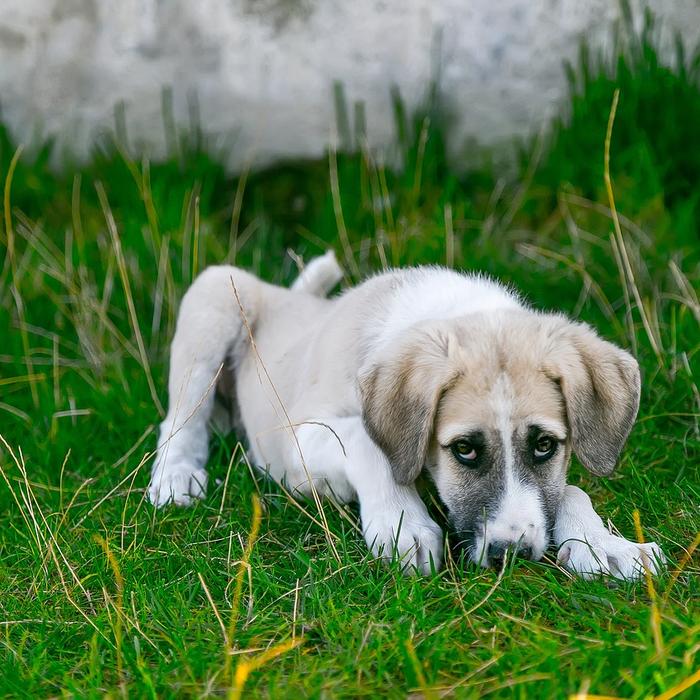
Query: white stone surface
point(262, 71)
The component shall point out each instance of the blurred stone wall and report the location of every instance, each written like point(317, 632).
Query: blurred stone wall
point(260, 74)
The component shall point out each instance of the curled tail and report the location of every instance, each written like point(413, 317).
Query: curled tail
point(319, 276)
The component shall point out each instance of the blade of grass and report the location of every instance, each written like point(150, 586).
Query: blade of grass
point(112, 227)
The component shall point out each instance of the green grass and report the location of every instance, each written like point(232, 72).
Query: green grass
point(100, 595)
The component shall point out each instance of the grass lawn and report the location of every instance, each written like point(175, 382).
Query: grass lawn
point(101, 595)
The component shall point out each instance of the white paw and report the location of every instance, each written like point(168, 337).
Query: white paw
point(607, 555)
point(179, 483)
point(413, 539)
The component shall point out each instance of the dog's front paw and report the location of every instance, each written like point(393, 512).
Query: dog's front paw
point(412, 539)
point(608, 555)
point(180, 483)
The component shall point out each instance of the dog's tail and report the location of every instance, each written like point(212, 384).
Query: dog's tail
point(319, 276)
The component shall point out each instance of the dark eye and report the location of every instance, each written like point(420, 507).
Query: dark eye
point(545, 447)
point(465, 452)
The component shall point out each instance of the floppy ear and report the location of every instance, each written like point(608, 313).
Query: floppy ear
point(601, 385)
point(400, 392)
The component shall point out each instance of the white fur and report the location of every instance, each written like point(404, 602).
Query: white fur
point(395, 521)
point(587, 547)
point(520, 517)
point(300, 406)
point(319, 276)
point(433, 293)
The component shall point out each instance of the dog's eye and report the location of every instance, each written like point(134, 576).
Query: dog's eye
point(545, 447)
point(465, 452)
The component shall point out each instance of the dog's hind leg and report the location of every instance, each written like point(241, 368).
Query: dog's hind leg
point(210, 333)
point(319, 276)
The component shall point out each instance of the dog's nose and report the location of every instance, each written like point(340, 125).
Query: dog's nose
point(497, 552)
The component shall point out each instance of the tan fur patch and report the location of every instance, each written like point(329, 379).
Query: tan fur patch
point(562, 374)
point(517, 351)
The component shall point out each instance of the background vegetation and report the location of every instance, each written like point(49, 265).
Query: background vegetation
point(100, 595)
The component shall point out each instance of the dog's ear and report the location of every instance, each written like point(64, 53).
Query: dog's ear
point(400, 392)
point(601, 385)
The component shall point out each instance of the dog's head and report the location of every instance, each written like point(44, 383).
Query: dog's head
point(493, 406)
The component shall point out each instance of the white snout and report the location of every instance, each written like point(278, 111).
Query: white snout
point(519, 524)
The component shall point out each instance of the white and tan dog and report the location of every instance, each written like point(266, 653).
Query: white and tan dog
point(417, 369)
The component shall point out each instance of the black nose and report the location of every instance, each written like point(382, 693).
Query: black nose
point(497, 552)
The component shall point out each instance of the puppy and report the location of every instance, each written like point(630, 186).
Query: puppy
point(418, 369)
